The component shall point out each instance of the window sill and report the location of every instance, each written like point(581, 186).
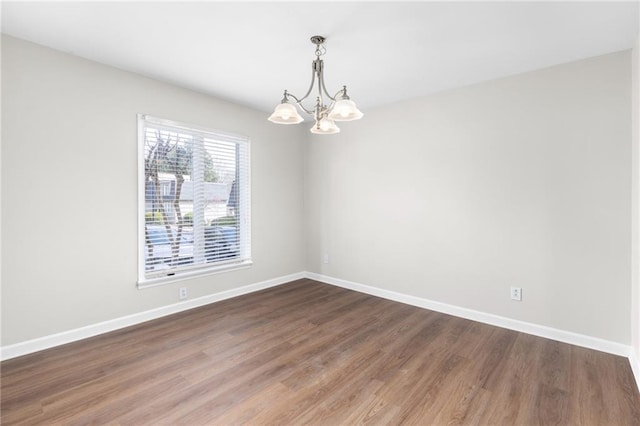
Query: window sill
point(155, 282)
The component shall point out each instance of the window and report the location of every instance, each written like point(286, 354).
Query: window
point(194, 201)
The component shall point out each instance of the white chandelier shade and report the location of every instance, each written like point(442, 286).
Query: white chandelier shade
point(340, 107)
point(285, 113)
point(325, 126)
point(345, 110)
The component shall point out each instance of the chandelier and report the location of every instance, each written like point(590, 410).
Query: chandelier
point(340, 107)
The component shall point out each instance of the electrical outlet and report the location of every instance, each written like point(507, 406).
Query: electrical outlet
point(325, 258)
point(516, 293)
point(183, 293)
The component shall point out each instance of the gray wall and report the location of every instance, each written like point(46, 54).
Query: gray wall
point(523, 181)
point(69, 173)
point(455, 197)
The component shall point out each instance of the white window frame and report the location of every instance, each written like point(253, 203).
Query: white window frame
point(244, 260)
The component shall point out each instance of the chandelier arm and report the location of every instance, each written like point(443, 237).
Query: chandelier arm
point(310, 112)
point(334, 99)
point(299, 103)
point(313, 80)
point(291, 95)
point(339, 92)
point(324, 87)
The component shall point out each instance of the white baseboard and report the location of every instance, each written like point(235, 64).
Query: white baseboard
point(635, 366)
point(46, 342)
point(499, 321)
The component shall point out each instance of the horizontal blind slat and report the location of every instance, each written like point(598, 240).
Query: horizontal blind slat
point(196, 188)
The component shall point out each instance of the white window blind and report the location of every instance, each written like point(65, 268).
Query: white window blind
point(194, 200)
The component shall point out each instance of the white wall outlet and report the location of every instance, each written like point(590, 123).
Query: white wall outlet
point(325, 258)
point(183, 293)
point(516, 293)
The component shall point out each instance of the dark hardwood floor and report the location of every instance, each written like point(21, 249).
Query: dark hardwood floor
point(310, 353)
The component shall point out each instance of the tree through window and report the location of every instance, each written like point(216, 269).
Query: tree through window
point(195, 191)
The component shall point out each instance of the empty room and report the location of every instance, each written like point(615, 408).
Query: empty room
point(326, 213)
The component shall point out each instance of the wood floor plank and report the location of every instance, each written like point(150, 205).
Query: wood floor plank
point(516, 388)
point(311, 353)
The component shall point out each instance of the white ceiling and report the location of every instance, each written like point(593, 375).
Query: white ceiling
point(383, 51)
